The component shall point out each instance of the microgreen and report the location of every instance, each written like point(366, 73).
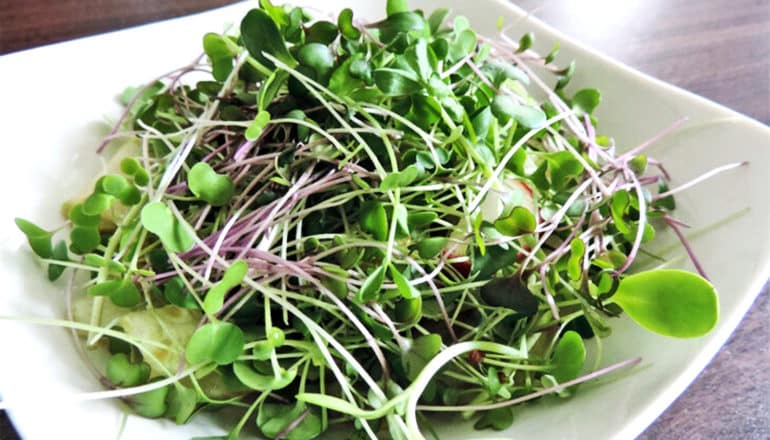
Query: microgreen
point(209, 186)
point(218, 342)
point(360, 217)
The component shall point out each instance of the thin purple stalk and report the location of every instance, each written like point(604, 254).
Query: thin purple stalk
point(686, 243)
point(138, 93)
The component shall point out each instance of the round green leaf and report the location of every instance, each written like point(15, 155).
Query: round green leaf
point(261, 34)
point(84, 239)
point(568, 357)
point(97, 203)
point(80, 218)
point(519, 221)
point(586, 100)
point(324, 32)
point(274, 418)
point(182, 402)
point(218, 342)
point(394, 82)
point(150, 404)
point(219, 54)
point(505, 108)
point(121, 372)
point(157, 218)
point(430, 247)
point(208, 185)
point(669, 302)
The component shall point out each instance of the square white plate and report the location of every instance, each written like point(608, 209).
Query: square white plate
point(54, 103)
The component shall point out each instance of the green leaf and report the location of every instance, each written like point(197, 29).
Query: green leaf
point(337, 286)
point(406, 290)
point(208, 185)
point(263, 382)
point(393, 82)
point(275, 418)
point(374, 220)
point(261, 34)
point(175, 293)
point(568, 357)
point(419, 60)
point(319, 58)
point(84, 239)
point(401, 23)
point(499, 71)
point(419, 219)
point(575, 262)
point(586, 100)
point(345, 23)
point(370, 289)
point(60, 254)
point(182, 402)
point(122, 373)
point(565, 76)
point(342, 81)
point(430, 247)
point(262, 350)
point(519, 221)
point(437, 18)
point(498, 419)
point(125, 294)
point(97, 203)
point(38, 238)
point(219, 54)
point(505, 108)
point(669, 302)
point(667, 202)
point(218, 342)
point(80, 218)
point(157, 218)
point(638, 164)
point(400, 179)
point(421, 351)
point(232, 277)
point(495, 258)
point(396, 6)
point(618, 208)
point(525, 42)
point(150, 404)
point(322, 31)
point(557, 170)
point(464, 43)
point(268, 92)
point(402, 222)
point(254, 130)
point(409, 311)
point(510, 293)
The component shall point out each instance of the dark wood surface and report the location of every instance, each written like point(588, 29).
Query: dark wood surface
point(717, 48)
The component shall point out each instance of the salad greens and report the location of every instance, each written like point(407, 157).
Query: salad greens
point(355, 224)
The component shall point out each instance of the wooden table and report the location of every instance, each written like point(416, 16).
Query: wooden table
point(717, 48)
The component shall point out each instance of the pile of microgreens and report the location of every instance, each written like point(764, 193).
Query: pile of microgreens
point(361, 223)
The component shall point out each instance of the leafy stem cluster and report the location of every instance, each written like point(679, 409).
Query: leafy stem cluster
point(355, 222)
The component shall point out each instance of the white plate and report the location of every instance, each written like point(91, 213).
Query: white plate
point(54, 102)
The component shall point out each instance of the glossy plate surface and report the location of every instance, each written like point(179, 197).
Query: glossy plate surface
point(56, 99)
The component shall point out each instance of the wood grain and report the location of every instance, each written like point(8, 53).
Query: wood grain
point(716, 48)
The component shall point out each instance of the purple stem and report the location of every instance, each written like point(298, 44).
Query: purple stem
point(675, 224)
